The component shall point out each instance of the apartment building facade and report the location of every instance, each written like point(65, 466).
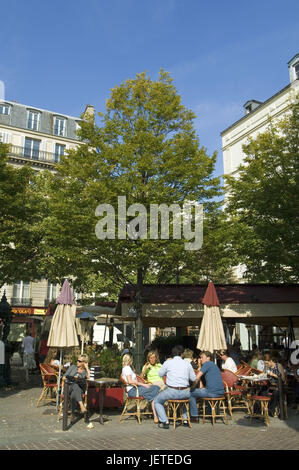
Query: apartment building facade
point(36, 135)
point(39, 137)
point(255, 121)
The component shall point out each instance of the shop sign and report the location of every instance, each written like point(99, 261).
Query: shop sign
point(28, 311)
point(40, 311)
point(22, 310)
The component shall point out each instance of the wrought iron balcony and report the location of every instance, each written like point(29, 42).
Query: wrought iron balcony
point(23, 301)
point(33, 154)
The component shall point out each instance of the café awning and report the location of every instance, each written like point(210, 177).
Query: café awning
point(181, 304)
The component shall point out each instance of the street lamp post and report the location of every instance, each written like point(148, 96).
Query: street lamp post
point(5, 320)
point(139, 323)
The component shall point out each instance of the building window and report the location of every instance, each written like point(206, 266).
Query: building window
point(52, 292)
point(59, 126)
point(4, 137)
point(59, 150)
point(31, 149)
point(33, 119)
point(296, 67)
point(4, 109)
point(21, 293)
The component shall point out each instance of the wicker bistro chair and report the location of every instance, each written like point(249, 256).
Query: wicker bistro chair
point(50, 383)
point(175, 410)
point(236, 397)
point(263, 408)
point(137, 401)
point(217, 407)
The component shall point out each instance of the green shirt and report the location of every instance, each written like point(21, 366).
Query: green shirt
point(151, 373)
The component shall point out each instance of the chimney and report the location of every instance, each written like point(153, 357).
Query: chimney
point(89, 112)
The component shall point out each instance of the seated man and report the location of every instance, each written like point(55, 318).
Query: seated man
point(234, 354)
point(178, 374)
point(214, 385)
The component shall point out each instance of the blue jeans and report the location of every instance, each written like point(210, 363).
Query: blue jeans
point(168, 394)
point(199, 393)
point(148, 393)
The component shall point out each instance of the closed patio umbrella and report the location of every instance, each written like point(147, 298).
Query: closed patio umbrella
point(63, 332)
point(211, 335)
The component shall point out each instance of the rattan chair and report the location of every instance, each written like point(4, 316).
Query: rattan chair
point(50, 383)
point(263, 405)
point(218, 409)
point(175, 409)
point(137, 412)
point(236, 397)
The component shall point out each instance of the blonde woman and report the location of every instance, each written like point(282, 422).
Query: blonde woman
point(147, 391)
point(77, 376)
point(150, 370)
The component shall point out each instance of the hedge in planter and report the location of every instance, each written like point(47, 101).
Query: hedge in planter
point(110, 361)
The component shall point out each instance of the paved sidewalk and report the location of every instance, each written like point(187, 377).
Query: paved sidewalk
point(23, 426)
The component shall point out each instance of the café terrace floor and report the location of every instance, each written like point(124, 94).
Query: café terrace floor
point(23, 426)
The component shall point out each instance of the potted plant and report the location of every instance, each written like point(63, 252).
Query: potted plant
point(110, 362)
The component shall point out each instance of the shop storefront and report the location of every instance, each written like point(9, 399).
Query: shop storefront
point(25, 318)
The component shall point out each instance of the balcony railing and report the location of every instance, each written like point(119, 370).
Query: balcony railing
point(23, 301)
point(33, 154)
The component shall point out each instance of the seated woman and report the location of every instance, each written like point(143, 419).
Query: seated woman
point(77, 376)
point(147, 391)
point(51, 357)
point(151, 368)
point(188, 355)
point(195, 363)
point(273, 370)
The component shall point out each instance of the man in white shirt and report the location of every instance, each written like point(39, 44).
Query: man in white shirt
point(229, 363)
point(28, 358)
point(179, 373)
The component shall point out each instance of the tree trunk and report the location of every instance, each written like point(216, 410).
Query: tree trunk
point(139, 323)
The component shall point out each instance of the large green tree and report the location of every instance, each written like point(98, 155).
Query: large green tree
point(263, 202)
point(145, 149)
point(21, 212)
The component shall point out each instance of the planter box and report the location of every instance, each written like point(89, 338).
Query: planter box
point(114, 397)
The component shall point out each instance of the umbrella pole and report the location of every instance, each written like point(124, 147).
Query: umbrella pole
point(82, 345)
point(59, 377)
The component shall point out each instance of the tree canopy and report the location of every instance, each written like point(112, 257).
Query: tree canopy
point(145, 149)
point(263, 202)
point(20, 217)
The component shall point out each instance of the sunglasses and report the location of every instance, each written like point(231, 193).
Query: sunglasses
point(78, 360)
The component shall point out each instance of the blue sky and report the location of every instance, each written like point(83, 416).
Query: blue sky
point(61, 55)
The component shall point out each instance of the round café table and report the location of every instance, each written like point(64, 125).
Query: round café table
point(101, 384)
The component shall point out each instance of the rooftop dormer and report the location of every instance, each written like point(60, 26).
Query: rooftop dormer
point(251, 105)
point(294, 68)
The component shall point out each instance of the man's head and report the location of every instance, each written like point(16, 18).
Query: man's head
point(223, 354)
point(177, 350)
point(205, 356)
